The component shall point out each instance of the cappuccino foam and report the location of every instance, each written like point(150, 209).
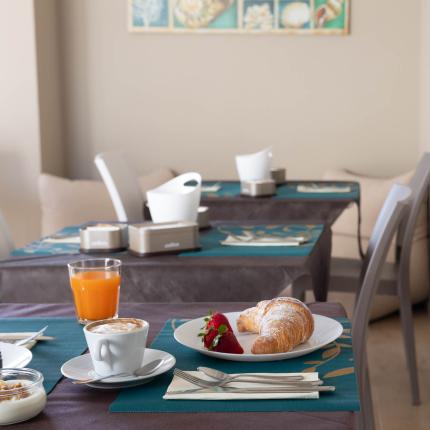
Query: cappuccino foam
point(116, 326)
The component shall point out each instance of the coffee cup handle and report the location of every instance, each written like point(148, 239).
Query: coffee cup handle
point(98, 351)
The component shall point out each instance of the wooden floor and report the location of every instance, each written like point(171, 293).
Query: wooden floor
point(390, 384)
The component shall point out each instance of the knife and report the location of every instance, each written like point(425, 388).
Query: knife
point(254, 390)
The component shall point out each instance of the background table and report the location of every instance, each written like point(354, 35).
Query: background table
point(171, 278)
point(302, 207)
point(74, 407)
point(298, 206)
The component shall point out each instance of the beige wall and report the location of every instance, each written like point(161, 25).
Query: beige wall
point(49, 85)
point(425, 77)
point(19, 120)
point(193, 101)
point(31, 137)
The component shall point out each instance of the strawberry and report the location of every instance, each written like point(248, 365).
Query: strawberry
point(217, 335)
point(226, 342)
point(217, 319)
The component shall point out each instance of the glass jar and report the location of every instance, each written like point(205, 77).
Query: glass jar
point(22, 395)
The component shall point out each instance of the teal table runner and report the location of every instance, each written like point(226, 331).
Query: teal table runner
point(210, 241)
point(43, 248)
point(287, 191)
point(334, 363)
point(49, 356)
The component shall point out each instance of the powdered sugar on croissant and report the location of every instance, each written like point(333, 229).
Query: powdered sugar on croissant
point(282, 324)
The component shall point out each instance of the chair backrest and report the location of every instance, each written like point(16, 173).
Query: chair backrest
point(419, 186)
point(6, 243)
point(395, 209)
point(122, 185)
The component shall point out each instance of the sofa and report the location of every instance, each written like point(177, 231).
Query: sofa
point(70, 202)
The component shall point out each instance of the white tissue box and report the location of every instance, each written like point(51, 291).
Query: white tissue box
point(279, 175)
point(103, 238)
point(154, 238)
point(258, 188)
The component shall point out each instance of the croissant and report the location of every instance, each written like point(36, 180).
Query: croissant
point(282, 324)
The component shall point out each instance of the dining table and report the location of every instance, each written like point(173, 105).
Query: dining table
point(294, 200)
point(38, 272)
point(75, 406)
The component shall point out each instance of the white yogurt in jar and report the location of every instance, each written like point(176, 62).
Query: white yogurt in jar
point(15, 409)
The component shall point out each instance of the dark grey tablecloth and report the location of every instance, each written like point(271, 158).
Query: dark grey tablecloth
point(170, 278)
point(252, 209)
point(240, 208)
point(75, 407)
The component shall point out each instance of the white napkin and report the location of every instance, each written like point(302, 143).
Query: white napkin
point(65, 239)
point(180, 384)
point(323, 189)
point(13, 357)
point(211, 188)
point(261, 241)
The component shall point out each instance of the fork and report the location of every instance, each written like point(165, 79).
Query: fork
point(203, 383)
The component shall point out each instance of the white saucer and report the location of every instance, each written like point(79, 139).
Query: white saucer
point(81, 367)
point(15, 356)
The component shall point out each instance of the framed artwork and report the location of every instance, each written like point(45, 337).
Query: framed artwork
point(240, 16)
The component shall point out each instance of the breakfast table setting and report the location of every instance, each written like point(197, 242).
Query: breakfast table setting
point(177, 321)
point(152, 402)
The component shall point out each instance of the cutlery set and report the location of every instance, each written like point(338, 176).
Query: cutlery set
point(271, 383)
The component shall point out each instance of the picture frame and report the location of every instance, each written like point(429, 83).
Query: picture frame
point(282, 17)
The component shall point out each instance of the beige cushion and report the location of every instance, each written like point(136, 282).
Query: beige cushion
point(373, 194)
point(69, 202)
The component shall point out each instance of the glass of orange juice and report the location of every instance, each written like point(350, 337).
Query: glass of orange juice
point(95, 285)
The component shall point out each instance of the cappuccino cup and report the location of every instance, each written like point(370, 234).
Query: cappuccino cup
point(116, 345)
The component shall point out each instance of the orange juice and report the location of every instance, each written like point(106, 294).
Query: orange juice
point(96, 294)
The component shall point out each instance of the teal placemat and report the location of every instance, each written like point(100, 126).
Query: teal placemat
point(48, 356)
point(287, 191)
point(42, 248)
point(210, 241)
point(334, 363)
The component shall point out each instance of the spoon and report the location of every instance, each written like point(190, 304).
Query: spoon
point(149, 368)
point(32, 337)
point(227, 377)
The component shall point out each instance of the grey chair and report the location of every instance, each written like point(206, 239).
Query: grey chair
point(346, 274)
point(391, 217)
point(122, 185)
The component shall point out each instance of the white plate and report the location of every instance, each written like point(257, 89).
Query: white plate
point(326, 331)
point(81, 367)
point(14, 356)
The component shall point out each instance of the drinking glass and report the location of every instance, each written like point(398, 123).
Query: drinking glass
point(95, 286)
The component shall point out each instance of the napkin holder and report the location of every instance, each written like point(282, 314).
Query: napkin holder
point(263, 188)
point(103, 238)
point(203, 217)
point(150, 238)
point(279, 175)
